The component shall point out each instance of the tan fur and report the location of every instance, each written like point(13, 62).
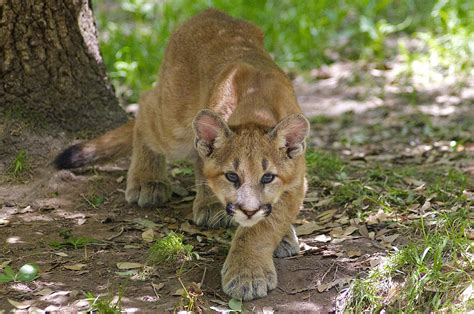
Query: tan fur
point(222, 102)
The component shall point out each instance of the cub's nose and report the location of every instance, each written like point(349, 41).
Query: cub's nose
point(249, 213)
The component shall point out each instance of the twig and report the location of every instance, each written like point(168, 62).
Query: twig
point(88, 202)
point(203, 276)
point(116, 235)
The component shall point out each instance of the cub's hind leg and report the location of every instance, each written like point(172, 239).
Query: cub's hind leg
point(208, 211)
point(147, 179)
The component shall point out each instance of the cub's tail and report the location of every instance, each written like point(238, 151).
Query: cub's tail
point(112, 144)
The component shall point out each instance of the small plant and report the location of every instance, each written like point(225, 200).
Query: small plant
point(71, 241)
point(190, 298)
point(324, 165)
point(169, 249)
point(104, 304)
point(26, 273)
point(426, 275)
point(20, 164)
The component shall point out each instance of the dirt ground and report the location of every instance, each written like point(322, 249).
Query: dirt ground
point(90, 203)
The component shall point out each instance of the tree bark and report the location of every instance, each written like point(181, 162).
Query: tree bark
point(52, 77)
point(52, 72)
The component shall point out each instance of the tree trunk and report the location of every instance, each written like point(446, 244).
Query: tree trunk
point(52, 77)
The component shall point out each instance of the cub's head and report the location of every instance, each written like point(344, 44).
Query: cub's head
point(249, 167)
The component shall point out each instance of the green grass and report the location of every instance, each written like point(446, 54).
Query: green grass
point(427, 275)
point(20, 165)
point(324, 165)
point(169, 249)
point(104, 304)
point(300, 35)
point(26, 273)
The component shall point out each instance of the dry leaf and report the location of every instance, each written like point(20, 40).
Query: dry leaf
point(21, 305)
point(158, 286)
point(148, 235)
point(322, 238)
point(44, 292)
point(128, 265)
point(308, 228)
point(340, 281)
point(5, 263)
point(62, 254)
point(179, 292)
point(336, 232)
point(390, 239)
point(75, 266)
point(354, 253)
point(363, 230)
point(326, 215)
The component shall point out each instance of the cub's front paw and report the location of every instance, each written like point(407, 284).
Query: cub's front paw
point(212, 216)
point(248, 280)
point(288, 246)
point(148, 193)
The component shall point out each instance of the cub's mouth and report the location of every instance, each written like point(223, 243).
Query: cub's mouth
point(248, 217)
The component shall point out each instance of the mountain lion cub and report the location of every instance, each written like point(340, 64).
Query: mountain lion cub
point(222, 102)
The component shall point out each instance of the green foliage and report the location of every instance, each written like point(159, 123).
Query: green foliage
point(428, 275)
point(169, 249)
point(26, 273)
point(299, 34)
point(71, 241)
point(104, 304)
point(20, 164)
point(324, 165)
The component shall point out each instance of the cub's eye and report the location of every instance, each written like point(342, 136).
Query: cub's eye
point(267, 178)
point(232, 177)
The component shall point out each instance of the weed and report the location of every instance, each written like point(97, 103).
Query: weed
point(426, 275)
point(71, 241)
point(26, 273)
point(324, 165)
point(190, 301)
point(104, 304)
point(169, 249)
point(20, 165)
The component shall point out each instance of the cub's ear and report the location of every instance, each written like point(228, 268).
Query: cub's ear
point(210, 130)
point(291, 133)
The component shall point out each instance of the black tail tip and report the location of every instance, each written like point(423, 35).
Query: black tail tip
point(71, 157)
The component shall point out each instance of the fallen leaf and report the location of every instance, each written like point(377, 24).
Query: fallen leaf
point(44, 292)
point(179, 292)
point(128, 265)
point(148, 235)
point(158, 286)
point(354, 253)
point(145, 223)
point(75, 266)
point(127, 273)
point(363, 230)
point(326, 215)
point(308, 228)
point(338, 282)
point(4, 222)
point(21, 305)
point(322, 238)
point(267, 310)
point(5, 263)
point(132, 246)
point(336, 232)
point(235, 305)
point(81, 221)
point(391, 238)
point(62, 254)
